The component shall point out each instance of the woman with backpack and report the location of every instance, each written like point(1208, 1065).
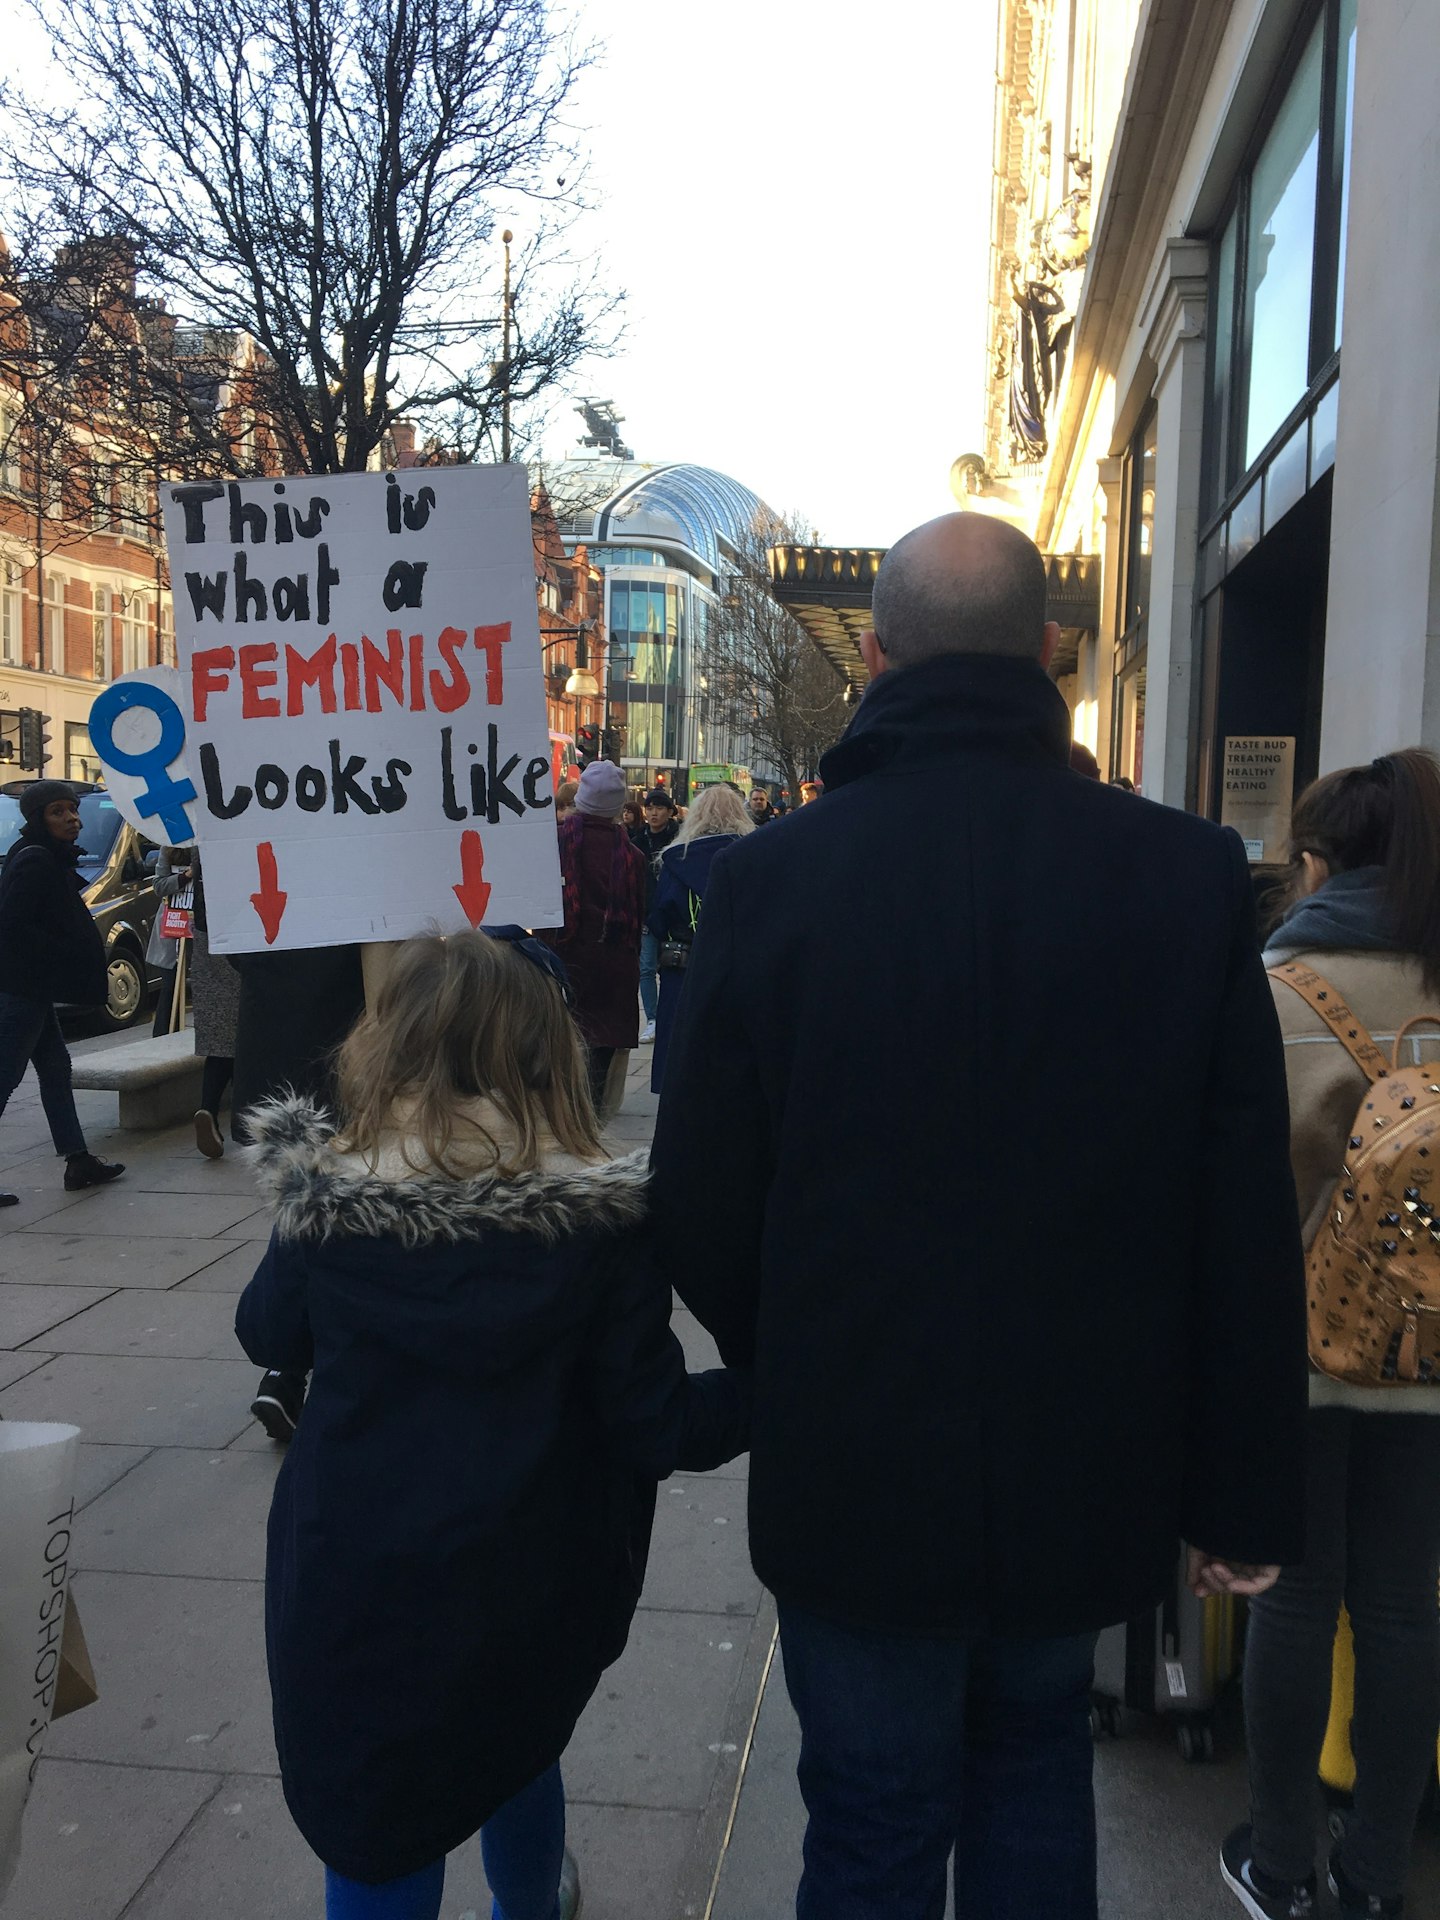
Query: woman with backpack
point(716, 821)
point(1356, 955)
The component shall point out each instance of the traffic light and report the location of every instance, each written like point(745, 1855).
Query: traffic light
point(587, 746)
point(612, 744)
point(34, 739)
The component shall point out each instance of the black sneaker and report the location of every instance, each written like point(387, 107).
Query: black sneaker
point(1261, 1897)
point(85, 1170)
point(277, 1403)
point(1355, 1905)
point(9, 1199)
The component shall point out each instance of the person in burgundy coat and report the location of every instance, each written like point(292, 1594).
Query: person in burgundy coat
point(603, 877)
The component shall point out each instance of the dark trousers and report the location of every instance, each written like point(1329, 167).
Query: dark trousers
point(30, 1035)
point(164, 1003)
point(912, 1748)
point(599, 1059)
point(1373, 1543)
point(215, 1077)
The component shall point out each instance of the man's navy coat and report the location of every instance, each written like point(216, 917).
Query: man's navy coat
point(978, 1090)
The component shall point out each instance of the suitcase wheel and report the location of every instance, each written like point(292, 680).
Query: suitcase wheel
point(1106, 1719)
point(1196, 1740)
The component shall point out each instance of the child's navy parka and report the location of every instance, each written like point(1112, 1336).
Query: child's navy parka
point(460, 1527)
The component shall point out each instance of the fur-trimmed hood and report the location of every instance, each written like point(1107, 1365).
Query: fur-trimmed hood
point(319, 1192)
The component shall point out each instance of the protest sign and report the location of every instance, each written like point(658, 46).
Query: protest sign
point(1258, 791)
point(364, 704)
point(138, 734)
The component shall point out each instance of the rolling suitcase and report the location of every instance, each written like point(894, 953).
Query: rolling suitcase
point(1175, 1662)
point(1337, 1761)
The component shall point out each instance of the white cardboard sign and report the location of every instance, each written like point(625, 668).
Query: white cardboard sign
point(364, 705)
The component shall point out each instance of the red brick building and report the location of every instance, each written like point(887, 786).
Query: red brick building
point(99, 395)
point(102, 399)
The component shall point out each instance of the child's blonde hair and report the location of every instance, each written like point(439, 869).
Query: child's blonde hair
point(458, 1020)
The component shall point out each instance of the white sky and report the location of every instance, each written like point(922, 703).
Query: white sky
point(795, 197)
point(797, 202)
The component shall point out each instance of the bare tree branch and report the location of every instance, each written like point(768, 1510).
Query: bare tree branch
point(325, 178)
point(767, 678)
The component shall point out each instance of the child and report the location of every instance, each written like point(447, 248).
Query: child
point(460, 1527)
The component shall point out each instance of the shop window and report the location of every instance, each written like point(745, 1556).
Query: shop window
point(103, 512)
point(1127, 755)
point(1344, 110)
point(1279, 256)
point(12, 613)
point(1129, 746)
point(1139, 526)
point(100, 635)
point(133, 635)
point(1222, 306)
point(81, 762)
point(9, 450)
point(133, 496)
point(54, 623)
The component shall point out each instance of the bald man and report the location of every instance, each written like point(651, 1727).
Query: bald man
point(987, 1129)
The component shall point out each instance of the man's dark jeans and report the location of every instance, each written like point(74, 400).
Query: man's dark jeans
point(913, 1747)
point(30, 1033)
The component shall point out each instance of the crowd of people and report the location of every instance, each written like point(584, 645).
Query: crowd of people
point(995, 1135)
point(615, 948)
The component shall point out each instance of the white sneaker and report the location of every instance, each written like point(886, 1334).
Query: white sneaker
point(647, 1032)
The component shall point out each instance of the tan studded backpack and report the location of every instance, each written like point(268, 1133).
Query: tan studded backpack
point(1373, 1268)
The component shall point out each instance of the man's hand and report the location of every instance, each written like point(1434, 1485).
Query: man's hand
point(1207, 1576)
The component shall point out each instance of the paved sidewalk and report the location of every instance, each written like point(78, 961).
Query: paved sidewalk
point(162, 1801)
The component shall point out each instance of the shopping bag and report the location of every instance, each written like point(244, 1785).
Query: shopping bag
point(37, 1506)
point(75, 1683)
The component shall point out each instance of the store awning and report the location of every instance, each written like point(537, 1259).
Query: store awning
point(828, 590)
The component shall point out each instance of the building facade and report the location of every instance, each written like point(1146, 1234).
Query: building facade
point(1246, 421)
point(665, 539)
point(96, 387)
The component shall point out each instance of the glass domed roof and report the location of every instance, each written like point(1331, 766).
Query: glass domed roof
point(692, 505)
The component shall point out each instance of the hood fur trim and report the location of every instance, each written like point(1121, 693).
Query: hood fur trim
point(319, 1194)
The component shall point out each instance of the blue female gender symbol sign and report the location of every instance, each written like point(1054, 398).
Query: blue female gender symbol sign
point(163, 798)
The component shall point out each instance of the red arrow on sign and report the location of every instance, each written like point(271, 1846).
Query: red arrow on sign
point(473, 892)
point(269, 902)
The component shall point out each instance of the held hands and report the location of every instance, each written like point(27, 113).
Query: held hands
point(1206, 1575)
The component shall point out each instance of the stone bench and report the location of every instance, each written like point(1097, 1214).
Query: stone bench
point(158, 1081)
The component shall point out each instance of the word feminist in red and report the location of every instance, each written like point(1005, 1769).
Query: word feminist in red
point(344, 677)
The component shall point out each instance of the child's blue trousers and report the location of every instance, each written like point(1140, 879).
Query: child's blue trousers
point(523, 1847)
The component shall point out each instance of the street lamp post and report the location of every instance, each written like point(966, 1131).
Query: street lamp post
point(506, 237)
point(580, 684)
